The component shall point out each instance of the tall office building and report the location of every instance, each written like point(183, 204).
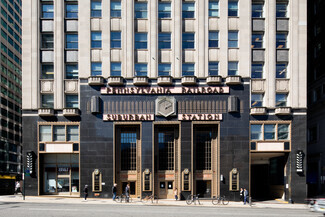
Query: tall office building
point(202, 96)
point(10, 128)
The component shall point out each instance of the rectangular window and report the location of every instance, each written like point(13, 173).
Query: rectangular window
point(213, 68)
point(47, 101)
point(257, 10)
point(128, 150)
point(269, 131)
point(188, 10)
point(116, 69)
point(71, 11)
point(233, 39)
point(188, 69)
point(281, 40)
point(203, 138)
point(232, 68)
point(58, 133)
point(96, 69)
point(47, 41)
point(166, 150)
point(213, 39)
point(71, 41)
point(281, 9)
point(141, 69)
point(71, 101)
point(164, 40)
point(47, 71)
point(45, 133)
point(257, 40)
point(71, 71)
point(47, 11)
point(72, 133)
point(256, 132)
point(164, 69)
point(283, 131)
point(116, 40)
point(281, 100)
point(116, 9)
point(164, 10)
point(188, 40)
point(257, 70)
point(281, 70)
point(213, 8)
point(233, 8)
point(140, 40)
point(96, 8)
point(256, 100)
point(96, 39)
point(141, 10)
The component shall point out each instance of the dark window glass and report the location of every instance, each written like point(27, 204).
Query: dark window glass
point(213, 39)
point(188, 10)
point(140, 40)
point(116, 40)
point(140, 10)
point(188, 69)
point(47, 41)
point(47, 71)
point(141, 69)
point(166, 150)
point(188, 40)
point(164, 10)
point(96, 9)
point(233, 8)
point(164, 40)
point(47, 11)
point(203, 148)
point(128, 150)
point(213, 68)
point(257, 70)
point(96, 39)
point(116, 69)
point(71, 71)
point(164, 69)
point(116, 9)
point(71, 11)
point(71, 41)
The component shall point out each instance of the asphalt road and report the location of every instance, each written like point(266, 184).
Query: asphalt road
point(16, 209)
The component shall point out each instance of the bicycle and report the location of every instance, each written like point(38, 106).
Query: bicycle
point(219, 200)
point(119, 199)
point(151, 198)
point(193, 199)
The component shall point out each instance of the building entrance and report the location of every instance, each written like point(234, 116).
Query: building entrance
point(203, 188)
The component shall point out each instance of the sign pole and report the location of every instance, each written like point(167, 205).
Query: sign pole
point(23, 182)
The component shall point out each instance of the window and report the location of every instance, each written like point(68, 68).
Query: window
point(283, 131)
point(257, 10)
point(96, 39)
point(213, 39)
point(58, 133)
point(116, 9)
point(188, 40)
point(281, 100)
point(233, 39)
point(166, 150)
point(256, 100)
point(233, 8)
point(45, 133)
point(71, 11)
point(140, 10)
point(141, 69)
point(96, 69)
point(281, 70)
point(188, 10)
point(116, 69)
point(73, 133)
point(47, 41)
point(213, 68)
point(71, 41)
point(164, 10)
point(164, 69)
point(281, 40)
point(164, 40)
point(313, 134)
point(213, 8)
point(257, 70)
point(96, 8)
point(203, 138)
point(232, 68)
point(128, 150)
point(140, 41)
point(71, 101)
point(71, 71)
point(47, 11)
point(256, 132)
point(47, 101)
point(269, 131)
point(47, 71)
point(116, 40)
point(257, 40)
point(188, 69)
point(281, 9)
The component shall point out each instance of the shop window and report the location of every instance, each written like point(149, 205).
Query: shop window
point(116, 69)
point(140, 40)
point(188, 10)
point(188, 69)
point(164, 10)
point(257, 70)
point(233, 8)
point(116, 40)
point(164, 69)
point(116, 9)
point(213, 8)
point(166, 151)
point(164, 40)
point(140, 10)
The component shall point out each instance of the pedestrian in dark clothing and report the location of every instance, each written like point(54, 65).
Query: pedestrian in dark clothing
point(114, 190)
point(245, 195)
point(86, 192)
point(241, 194)
point(127, 192)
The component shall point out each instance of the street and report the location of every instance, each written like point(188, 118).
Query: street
point(86, 209)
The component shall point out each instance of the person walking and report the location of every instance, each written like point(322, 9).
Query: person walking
point(245, 195)
point(114, 190)
point(241, 195)
point(176, 194)
point(127, 192)
point(17, 187)
point(85, 192)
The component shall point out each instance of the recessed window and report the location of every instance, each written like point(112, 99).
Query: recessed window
point(140, 40)
point(72, 133)
point(45, 133)
point(256, 132)
point(188, 10)
point(47, 101)
point(116, 9)
point(233, 8)
point(96, 39)
point(283, 131)
point(232, 68)
point(281, 9)
point(188, 69)
point(269, 131)
point(47, 71)
point(47, 41)
point(71, 71)
point(257, 70)
point(257, 40)
point(71, 101)
point(96, 68)
point(116, 69)
point(257, 10)
point(58, 133)
point(164, 40)
point(47, 11)
point(164, 10)
point(141, 69)
point(141, 10)
point(71, 41)
point(164, 69)
point(96, 8)
point(233, 39)
point(281, 70)
point(213, 8)
point(188, 40)
point(71, 11)
point(213, 68)
point(281, 100)
point(116, 40)
point(256, 100)
point(281, 40)
point(213, 39)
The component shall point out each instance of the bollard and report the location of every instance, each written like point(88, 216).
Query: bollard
point(250, 201)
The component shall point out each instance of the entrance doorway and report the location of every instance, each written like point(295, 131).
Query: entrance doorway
point(166, 189)
point(132, 188)
point(203, 188)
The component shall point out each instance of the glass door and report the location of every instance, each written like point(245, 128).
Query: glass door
point(63, 184)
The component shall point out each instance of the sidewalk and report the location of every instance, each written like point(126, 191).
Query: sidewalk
point(162, 202)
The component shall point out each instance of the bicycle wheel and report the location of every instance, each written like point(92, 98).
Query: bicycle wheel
point(215, 201)
point(225, 201)
point(189, 199)
point(144, 199)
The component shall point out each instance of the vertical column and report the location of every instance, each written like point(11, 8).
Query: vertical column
point(106, 30)
point(201, 30)
point(186, 151)
point(177, 39)
point(128, 38)
point(152, 38)
point(84, 39)
point(58, 54)
point(245, 32)
point(223, 38)
point(146, 149)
